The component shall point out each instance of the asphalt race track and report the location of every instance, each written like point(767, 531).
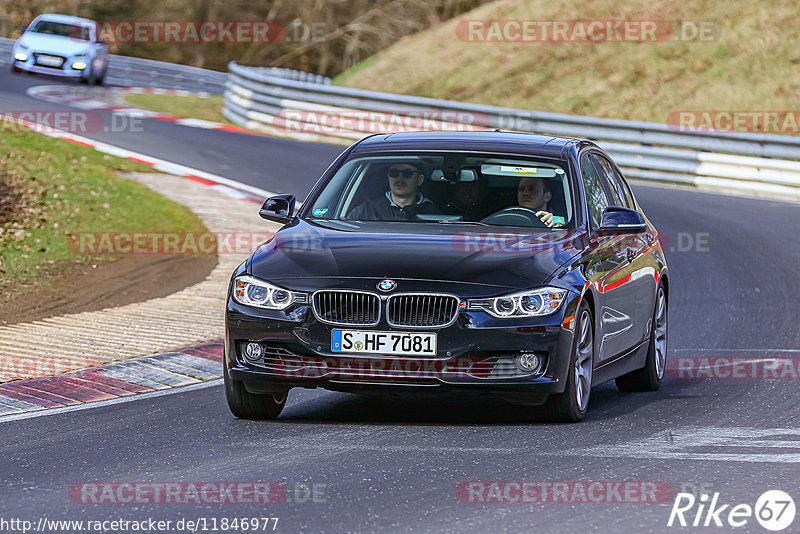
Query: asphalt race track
point(392, 464)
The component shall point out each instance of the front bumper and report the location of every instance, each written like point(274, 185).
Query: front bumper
point(65, 71)
point(473, 354)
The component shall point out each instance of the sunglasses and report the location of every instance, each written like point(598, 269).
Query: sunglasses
point(405, 173)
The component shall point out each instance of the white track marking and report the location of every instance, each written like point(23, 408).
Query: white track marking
point(729, 444)
point(735, 350)
point(109, 402)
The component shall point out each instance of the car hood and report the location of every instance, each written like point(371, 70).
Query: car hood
point(500, 257)
point(62, 46)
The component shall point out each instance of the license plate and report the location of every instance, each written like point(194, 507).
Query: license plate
point(395, 343)
point(49, 61)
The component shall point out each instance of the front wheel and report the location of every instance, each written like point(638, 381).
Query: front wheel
point(246, 405)
point(649, 377)
point(101, 76)
point(571, 405)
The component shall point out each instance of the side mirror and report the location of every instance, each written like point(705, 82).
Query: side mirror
point(279, 208)
point(623, 220)
point(21, 29)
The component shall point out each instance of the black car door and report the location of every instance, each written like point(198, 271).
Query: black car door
point(611, 271)
point(637, 276)
point(642, 261)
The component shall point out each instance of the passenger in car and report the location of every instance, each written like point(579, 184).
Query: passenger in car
point(535, 194)
point(468, 199)
point(402, 202)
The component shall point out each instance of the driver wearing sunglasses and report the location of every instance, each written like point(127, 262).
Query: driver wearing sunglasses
point(402, 202)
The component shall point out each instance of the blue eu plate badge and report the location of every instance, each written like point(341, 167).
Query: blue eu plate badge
point(336, 340)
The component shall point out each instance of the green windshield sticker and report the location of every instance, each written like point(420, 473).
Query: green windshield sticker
point(559, 220)
point(320, 211)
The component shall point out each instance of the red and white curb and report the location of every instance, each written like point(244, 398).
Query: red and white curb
point(112, 99)
point(186, 366)
point(224, 185)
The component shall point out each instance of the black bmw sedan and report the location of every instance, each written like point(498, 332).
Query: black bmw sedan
point(506, 264)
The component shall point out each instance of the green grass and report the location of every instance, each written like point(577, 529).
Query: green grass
point(207, 108)
point(751, 64)
point(63, 190)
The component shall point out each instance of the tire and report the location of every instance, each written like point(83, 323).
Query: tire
point(649, 377)
point(246, 405)
point(571, 405)
point(100, 78)
point(88, 78)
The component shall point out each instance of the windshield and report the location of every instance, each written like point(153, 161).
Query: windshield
point(62, 29)
point(456, 188)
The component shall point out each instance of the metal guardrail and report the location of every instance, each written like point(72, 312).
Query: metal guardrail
point(291, 103)
point(752, 163)
point(5, 51)
point(132, 71)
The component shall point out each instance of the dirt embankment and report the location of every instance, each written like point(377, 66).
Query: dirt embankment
point(71, 287)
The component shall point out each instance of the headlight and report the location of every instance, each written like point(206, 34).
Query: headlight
point(21, 56)
point(531, 303)
point(254, 292)
point(79, 65)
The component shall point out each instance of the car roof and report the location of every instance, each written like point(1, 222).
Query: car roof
point(471, 141)
point(54, 17)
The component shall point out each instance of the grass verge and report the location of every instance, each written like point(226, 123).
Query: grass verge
point(750, 62)
point(207, 108)
point(52, 190)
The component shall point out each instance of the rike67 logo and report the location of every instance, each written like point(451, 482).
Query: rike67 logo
point(774, 510)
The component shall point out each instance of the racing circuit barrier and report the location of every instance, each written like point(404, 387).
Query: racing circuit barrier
point(748, 163)
point(276, 100)
point(132, 71)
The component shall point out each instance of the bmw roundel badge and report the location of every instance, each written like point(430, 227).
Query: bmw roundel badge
point(387, 285)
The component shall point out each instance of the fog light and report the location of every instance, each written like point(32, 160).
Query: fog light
point(79, 65)
point(528, 362)
point(21, 56)
point(253, 351)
